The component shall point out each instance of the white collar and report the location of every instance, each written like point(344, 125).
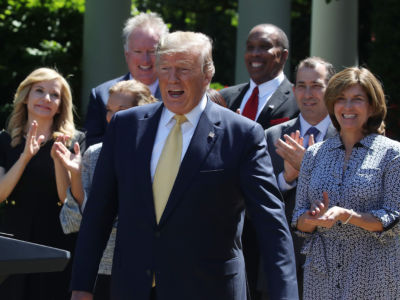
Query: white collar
point(193, 116)
point(268, 86)
point(321, 126)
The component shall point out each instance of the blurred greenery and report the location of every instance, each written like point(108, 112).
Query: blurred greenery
point(36, 33)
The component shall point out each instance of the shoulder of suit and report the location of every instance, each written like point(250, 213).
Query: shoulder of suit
point(140, 111)
point(111, 82)
point(279, 128)
point(233, 89)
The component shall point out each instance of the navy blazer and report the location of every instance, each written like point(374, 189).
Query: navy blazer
point(195, 251)
point(280, 108)
point(95, 121)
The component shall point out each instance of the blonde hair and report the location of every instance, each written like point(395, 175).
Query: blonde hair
point(371, 86)
point(63, 122)
point(185, 41)
point(139, 92)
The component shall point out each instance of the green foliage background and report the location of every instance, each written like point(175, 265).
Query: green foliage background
point(36, 33)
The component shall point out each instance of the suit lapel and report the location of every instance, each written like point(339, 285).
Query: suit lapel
point(291, 127)
point(238, 100)
point(204, 138)
point(146, 134)
point(276, 100)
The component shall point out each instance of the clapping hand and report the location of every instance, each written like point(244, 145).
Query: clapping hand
point(71, 161)
point(32, 143)
point(292, 149)
point(320, 215)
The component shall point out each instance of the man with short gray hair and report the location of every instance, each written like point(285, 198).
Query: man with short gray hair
point(141, 34)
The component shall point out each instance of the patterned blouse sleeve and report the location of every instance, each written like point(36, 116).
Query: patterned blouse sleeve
point(389, 213)
point(302, 201)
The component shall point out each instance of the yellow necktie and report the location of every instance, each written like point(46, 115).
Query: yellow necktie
point(168, 167)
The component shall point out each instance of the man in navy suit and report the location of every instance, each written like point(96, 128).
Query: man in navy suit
point(267, 49)
point(312, 76)
point(192, 248)
point(141, 35)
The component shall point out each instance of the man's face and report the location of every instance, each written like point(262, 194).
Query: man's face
point(264, 59)
point(140, 55)
point(182, 81)
point(309, 92)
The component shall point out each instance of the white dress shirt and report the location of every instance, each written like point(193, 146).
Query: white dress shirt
point(304, 126)
point(265, 91)
point(165, 125)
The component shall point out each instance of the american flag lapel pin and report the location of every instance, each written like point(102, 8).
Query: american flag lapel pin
point(211, 135)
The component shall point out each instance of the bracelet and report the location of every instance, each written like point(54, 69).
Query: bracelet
point(351, 215)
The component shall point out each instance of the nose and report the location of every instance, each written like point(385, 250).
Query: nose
point(348, 103)
point(173, 76)
point(47, 97)
point(307, 92)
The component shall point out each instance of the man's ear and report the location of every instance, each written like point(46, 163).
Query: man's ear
point(285, 55)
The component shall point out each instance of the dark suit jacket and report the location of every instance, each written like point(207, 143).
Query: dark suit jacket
point(195, 251)
point(280, 108)
point(272, 135)
point(95, 122)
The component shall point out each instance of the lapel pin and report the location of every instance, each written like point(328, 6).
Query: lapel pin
point(211, 135)
point(271, 106)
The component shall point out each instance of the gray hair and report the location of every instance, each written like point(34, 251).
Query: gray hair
point(144, 21)
point(184, 41)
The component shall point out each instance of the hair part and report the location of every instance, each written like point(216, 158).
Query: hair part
point(313, 62)
point(143, 21)
point(139, 93)
point(371, 86)
point(63, 122)
point(187, 41)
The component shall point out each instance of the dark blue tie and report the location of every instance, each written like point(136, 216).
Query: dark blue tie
point(311, 131)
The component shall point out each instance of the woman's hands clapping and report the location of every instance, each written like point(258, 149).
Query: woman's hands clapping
point(32, 143)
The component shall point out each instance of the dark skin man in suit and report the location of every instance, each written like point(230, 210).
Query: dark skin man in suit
point(267, 50)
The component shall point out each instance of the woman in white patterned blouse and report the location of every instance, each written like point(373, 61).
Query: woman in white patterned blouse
point(348, 197)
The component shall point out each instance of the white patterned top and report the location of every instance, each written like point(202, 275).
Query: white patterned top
point(345, 261)
point(71, 214)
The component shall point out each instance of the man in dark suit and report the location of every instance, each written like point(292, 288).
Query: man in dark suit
point(141, 35)
point(286, 140)
point(267, 50)
point(268, 99)
point(179, 175)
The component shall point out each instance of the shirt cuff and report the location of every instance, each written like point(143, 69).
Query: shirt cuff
point(283, 185)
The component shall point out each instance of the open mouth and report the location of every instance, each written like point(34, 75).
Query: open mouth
point(256, 64)
point(348, 116)
point(145, 68)
point(175, 93)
